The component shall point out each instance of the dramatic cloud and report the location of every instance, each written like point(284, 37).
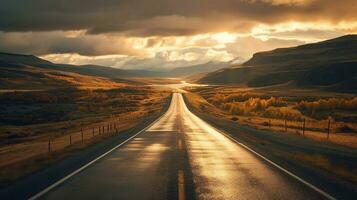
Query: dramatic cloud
point(154, 33)
point(285, 2)
point(40, 43)
point(162, 17)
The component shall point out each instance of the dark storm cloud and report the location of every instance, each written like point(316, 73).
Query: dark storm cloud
point(196, 16)
point(41, 43)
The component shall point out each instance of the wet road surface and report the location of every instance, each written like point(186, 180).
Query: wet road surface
point(181, 157)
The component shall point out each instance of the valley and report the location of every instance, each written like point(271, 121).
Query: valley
point(296, 110)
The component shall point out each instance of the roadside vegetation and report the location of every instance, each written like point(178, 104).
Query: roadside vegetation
point(286, 107)
point(41, 127)
point(318, 116)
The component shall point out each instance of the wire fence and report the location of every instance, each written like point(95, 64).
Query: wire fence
point(82, 136)
point(307, 126)
point(86, 134)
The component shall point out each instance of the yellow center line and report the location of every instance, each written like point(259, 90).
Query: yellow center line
point(181, 185)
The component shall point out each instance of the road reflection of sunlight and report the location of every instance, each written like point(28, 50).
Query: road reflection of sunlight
point(220, 168)
point(157, 147)
point(177, 88)
point(167, 122)
point(215, 159)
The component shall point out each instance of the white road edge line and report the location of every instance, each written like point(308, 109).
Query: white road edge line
point(323, 193)
point(49, 188)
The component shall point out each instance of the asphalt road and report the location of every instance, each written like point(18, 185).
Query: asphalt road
point(181, 157)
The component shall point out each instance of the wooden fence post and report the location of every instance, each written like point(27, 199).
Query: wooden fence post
point(93, 132)
point(49, 145)
point(328, 129)
point(82, 134)
point(70, 139)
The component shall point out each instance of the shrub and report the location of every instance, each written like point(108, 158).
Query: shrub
point(283, 113)
point(327, 104)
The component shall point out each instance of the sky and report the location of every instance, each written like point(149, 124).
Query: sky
point(162, 34)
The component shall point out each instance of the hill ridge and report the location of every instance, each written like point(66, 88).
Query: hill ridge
point(297, 65)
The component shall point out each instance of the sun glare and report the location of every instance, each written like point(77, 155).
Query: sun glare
point(224, 37)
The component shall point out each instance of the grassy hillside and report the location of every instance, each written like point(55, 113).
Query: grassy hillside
point(330, 51)
point(20, 61)
point(32, 78)
point(331, 65)
point(29, 72)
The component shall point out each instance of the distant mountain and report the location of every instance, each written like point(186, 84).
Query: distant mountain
point(195, 69)
point(17, 60)
point(29, 72)
point(331, 64)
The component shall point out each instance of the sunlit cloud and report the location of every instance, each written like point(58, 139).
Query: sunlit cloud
point(308, 32)
point(224, 37)
point(139, 34)
point(285, 2)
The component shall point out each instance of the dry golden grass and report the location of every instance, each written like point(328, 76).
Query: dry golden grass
point(19, 159)
point(85, 82)
point(24, 148)
point(41, 79)
point(314, 129)
point(10, 154)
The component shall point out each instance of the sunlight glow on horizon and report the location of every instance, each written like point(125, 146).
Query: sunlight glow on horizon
point(199, 48)
point(140, 34)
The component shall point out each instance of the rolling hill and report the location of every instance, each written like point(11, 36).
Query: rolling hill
point(331, 65)
point(30, 72)
point(18, 61)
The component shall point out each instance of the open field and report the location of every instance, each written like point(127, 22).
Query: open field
point(41, 127)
